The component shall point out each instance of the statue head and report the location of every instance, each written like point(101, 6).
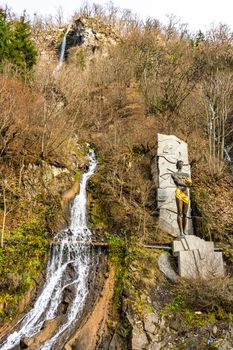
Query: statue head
point(179, 164)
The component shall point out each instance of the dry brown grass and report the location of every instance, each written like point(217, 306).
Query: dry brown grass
point(208, 295)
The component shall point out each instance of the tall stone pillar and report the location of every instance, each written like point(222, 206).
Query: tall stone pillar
point(170, 149)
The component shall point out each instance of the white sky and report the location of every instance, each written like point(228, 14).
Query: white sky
point(198, 14)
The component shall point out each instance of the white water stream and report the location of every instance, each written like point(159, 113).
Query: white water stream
point(63, 49)
point(66, 254)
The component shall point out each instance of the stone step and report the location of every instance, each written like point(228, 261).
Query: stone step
point(197, 257)
point(191, 242)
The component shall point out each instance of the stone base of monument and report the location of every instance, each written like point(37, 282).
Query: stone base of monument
point(197, 258)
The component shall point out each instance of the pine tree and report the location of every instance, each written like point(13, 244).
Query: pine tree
point(6, 36)
point(199, 38)
point(23, 52)
point(16, 45)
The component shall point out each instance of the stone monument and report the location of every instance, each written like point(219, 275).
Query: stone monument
point(196, 257)
point(170, 150)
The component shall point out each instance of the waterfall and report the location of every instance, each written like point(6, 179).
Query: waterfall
point(227, 154)
point(228, 158)
point(63, 49)
point(66, 254)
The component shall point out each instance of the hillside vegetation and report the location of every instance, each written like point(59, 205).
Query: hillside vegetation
point(151, 78)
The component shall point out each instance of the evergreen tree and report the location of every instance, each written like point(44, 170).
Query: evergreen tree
point(15, 44)
point(199, 38)
point(6, 36)
point(23, 52)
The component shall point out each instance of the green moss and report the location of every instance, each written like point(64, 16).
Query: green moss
point(77, 175)
point(8, 302)
point(96, 219)
point(117, 253)
point(22, 257)
point(175, 305)
point(116, 248)
point(189, 317)
point(149, 307)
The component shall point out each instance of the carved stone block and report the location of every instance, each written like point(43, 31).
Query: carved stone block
point(170, 149)
point(197, 258)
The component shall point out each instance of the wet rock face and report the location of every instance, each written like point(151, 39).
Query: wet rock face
point(91, 34)
point(25, 342)
point(46, 330)
point(50, 327)
point(81, 34)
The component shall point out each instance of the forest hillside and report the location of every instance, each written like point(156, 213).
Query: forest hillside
point(122, 82)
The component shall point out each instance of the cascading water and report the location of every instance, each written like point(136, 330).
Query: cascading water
point(226, 154)
point(67, 253)
point(63, 49)
point(228, 158)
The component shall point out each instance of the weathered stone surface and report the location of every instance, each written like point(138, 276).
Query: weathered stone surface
point(215, 330)
point(150, 322)
point(175, 324)
point(92, 34)
point(157, 346)
point(166, 268)
point(197, 258)
point(115, 344)
point(190, 243)
point(170, 149)
point(139, 339)
point(25, 342)
point(227, 341)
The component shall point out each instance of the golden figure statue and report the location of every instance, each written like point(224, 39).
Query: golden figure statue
point(183, 183)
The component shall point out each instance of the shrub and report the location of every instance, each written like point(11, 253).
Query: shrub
point(212, 295)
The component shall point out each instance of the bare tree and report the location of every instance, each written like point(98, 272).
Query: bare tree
point(217, 96)
point(59, 17)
